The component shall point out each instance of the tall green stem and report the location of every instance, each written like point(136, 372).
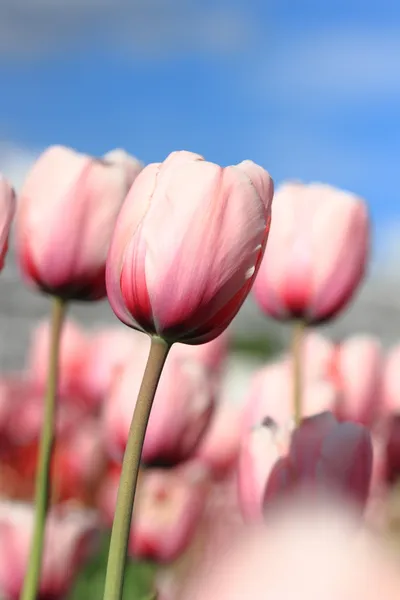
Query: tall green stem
point(42, 491)
point(297, 342)
point(130, 469)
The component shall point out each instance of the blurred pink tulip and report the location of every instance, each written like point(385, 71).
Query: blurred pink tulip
point(182, 409)
point(131, 165)
point(109, 349)
point(271, 395)
point(66, 214)
point(325, 455)
point(23, 412)
point(169, 506)
point(74, 352)
point(317, 356)
point(391, 381)
point(261, 449)
point(356, 370)
point(212, 355)
point(7, 209)
point(307, 550)
point(181, 268)
point(79, 461)
point(218, 449)
point(218, 530)
point(70, 538)
point(317, 253)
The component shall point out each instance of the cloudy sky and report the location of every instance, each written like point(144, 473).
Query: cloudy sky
point(309, 89)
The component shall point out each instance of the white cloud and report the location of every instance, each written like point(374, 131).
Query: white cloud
point(338, 63)
point(32, 27)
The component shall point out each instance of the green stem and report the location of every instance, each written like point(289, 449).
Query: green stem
point(297, 342)
point(42, 491)
point(130, 469)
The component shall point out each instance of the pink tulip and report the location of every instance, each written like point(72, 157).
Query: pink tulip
point(356, 371)
point(317, 253)
point(187, 246)
point(79, 461)
point(261, 449)
point(131, 165)
point(307, 550)
point(74, 352)
point(109, 349)
point(325, 454)
point(391, 381)
point(219, 529)
point(218, 449)
point(70, 539)
point(182, 409)
point(212, 354)
point(271, 395)
point(67, 211)
point(317, 356)
point(7, 209)
point(24, 415)
point(169, 506)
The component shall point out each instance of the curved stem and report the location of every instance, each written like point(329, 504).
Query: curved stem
point(297, 342)
point(42, 491)
point(130, 469)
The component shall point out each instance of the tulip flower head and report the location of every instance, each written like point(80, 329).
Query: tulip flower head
point(187, 246)
point(67, 211)
point(317, 253)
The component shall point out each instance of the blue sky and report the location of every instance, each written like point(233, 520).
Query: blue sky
point(309, 89)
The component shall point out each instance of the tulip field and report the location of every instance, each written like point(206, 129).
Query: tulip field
point(159, 456)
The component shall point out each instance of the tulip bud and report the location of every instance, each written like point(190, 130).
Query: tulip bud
point(169, 506)
point(74, 351)
point(109, 349)
point(317, 253)
point(187, 246)
point(7, 209)
point(259, 453)
point(182, 409)
point(70, 539)
point(271, 395)
point(356, 372)
point(67, 211)
point(325, 454)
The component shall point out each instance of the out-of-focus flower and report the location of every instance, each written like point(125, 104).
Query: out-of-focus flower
point(220, 528)
point(212, 355)
point(261, 449)
point(78, 464)
point(70, 538)
point(218, 449)
point(7, 209)
point(74, 352)
point(110, 349)
point(317, 353)
point(306, 550)
point(66, 214)
point(168, 506)
point(317, 253)
point(181, 269)
point(391, 381)
point(182, 409)
point(356, 371)
point(325, 455)
point(271, 395)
